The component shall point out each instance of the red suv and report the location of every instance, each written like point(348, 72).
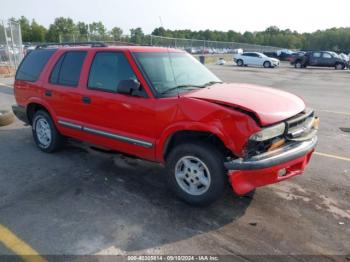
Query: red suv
point(162, 105)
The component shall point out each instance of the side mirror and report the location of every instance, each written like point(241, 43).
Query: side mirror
point(128, 86)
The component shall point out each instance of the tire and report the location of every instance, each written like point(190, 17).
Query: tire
point(298, 65)
point(200, 165)
point(339, 66)
point(267, 64)
point(6, 117)
point(240, 62)
point(45, 134)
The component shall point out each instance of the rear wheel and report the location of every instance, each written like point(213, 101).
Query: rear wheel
point(267, 64)
point(339, 66)
point(45, 134)
point(196, 173)
point(298, 64)
point(240, 62)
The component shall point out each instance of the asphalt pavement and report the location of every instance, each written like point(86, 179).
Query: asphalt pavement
point(79, 201)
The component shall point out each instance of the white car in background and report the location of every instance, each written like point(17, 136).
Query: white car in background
point(255, 59)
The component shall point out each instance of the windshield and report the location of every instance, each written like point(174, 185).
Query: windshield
point(174, 72)
point(334, 54)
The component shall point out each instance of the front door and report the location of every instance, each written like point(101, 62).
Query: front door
point(124, 122)
point(327, 59)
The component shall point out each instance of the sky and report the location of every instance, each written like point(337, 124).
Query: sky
point(224, 15)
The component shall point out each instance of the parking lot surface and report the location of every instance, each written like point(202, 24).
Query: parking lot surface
point(79, 201)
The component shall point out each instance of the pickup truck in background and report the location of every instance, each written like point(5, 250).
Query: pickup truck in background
point(320, 59)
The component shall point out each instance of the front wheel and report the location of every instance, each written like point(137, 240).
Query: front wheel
point(45, 134)
point(267, 64)
point(196, 173)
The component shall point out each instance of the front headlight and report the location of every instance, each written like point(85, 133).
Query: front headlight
point(269, 132)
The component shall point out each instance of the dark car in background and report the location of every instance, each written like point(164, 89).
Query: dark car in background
point(320, 59)
point(282, 55)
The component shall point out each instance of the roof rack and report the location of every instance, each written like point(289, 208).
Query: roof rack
point(53, 45)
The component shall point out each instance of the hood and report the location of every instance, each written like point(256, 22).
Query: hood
point(269, 105)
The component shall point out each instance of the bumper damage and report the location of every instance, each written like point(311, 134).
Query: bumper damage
point(20, 113)
point(271, 167)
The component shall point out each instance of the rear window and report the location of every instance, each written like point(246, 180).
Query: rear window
point(33, 64)
point(67, 69)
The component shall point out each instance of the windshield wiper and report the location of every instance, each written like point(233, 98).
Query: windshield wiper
point(211, 83)
point(179, 87)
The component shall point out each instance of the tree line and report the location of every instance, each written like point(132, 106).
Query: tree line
point(65, 29)
point(334, 39)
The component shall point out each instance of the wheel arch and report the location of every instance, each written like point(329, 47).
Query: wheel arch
point(34, 105)
point(176, 135)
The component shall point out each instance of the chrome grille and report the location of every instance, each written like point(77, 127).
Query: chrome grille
point(300, 124)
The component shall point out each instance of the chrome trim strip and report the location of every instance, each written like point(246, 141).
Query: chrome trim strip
point(106, 134)
point(118, 137)
point(70, 125)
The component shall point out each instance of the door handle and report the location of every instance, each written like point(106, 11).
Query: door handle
point(48, 93)
point(86, 100)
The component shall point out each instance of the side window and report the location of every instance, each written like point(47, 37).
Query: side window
point(326, 55)
point(56, 71)
point(33, 64)
point(316, 55)
point(67, 69)
point(107, 70)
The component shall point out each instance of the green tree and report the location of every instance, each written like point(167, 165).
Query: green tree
point(116, 33)
point(25, 29)
point(38, 32)
point(82, 28)
point(136, 35)
point(97, 31)
point(61, 27)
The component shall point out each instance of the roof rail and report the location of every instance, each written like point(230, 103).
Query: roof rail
point(53, 45)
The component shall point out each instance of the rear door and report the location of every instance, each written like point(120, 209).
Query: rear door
point(315, 59)
point(64, 91)
point(247, 58)
point(123, 122)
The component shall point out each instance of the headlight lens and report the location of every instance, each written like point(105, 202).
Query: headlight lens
point(269, 132)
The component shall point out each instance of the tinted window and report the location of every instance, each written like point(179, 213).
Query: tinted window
point(56, 71)
point(71, 68)
point(33, 64)
point(108, 69)
point(326, 55)
point(247, 54)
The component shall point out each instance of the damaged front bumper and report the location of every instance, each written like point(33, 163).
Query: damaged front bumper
point(271, 167)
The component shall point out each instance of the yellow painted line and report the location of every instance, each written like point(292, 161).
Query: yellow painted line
point(2, 84)
point(334, 112)
point(18, 246)
point(333, 156)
